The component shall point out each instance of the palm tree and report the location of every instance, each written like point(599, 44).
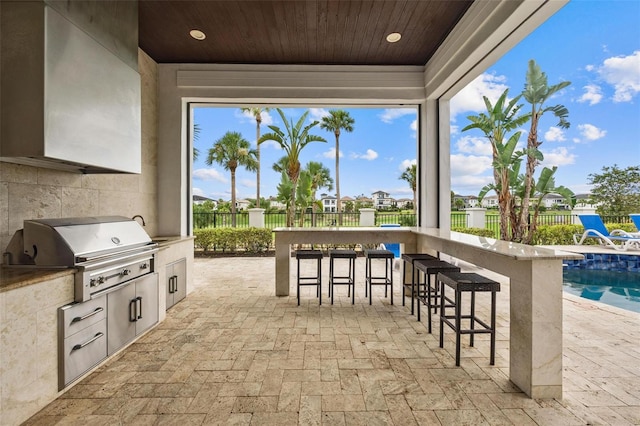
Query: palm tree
point(196, 136)
point(409, 175)
point(536, 92)
point(293, 141)
point(336, 121)
point(496, 123)
point(231, 151)
point(320, 178)
point(257, 114)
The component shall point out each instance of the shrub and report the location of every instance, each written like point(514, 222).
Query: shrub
point(557, 234)
point(563, 234)
point(481, 232)
point(252, 240)
point(255, 240)
point(407, 220)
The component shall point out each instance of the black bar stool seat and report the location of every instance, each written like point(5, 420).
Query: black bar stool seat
point(370, 279)
point(410, 258)
point(429, 295)
point(467, 283)
point(349, 278)
point(312, 279)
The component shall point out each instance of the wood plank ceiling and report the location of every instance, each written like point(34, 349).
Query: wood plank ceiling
point(339, 32)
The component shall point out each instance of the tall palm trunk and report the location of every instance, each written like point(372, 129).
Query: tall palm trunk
point(233, 197)
point(258, 121)
point(294, 175)
point(523, 234)
point(338, 202)
point(504, 203)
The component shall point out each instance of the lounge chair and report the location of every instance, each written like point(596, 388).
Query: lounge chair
point(636, 221)
point(594, 228)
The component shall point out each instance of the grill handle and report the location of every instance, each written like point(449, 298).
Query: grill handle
point(90, 314)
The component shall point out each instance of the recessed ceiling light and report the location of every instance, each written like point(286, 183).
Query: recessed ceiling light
point(393, 37)
point(197, 34)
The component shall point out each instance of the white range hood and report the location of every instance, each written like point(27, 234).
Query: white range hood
point(66, 101)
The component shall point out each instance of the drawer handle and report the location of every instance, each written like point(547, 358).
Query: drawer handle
point(90, 314)
point(93, 339)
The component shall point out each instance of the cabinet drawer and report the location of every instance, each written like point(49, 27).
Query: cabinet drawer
point(78, 316)
point(82, 351)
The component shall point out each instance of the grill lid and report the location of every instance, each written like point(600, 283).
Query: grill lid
point(69, 241)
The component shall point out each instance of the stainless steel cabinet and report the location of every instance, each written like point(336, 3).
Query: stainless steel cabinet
point(176, 282)
point(132, 309)
point(82, 341)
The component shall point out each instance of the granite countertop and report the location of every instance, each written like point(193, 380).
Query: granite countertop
point(13, 277)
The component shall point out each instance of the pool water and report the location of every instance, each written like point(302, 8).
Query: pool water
point(620, 289)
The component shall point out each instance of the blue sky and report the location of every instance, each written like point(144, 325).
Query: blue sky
point(593, 44)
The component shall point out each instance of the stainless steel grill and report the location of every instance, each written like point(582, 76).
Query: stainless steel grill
point(106, 250)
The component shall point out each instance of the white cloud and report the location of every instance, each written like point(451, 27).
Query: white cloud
point(554, 134)
point(209, 174)
point(558, 157)
point(466, 184)
point(623, 73)
point(469, 99)
point(369, 155)
point(589, 68)
point(390, 114)
point(407, 163)
point(414, 126)
point(248, 183)
point(474, 145)
point(591, 132)
point(331, 153)
point(462, 165)
point(197, 191)
point(593, 94)
point(248, 117)
point(318, 113)
point(453, 129)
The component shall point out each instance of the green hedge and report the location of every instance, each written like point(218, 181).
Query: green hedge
point(251, 240)
point(481, 232)
point(563, 234)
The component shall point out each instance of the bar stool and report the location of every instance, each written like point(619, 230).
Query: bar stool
point(410, 258)
point(429, 296)
point(462, 283)
point(312, 279)
point(371, 280)
point(349, 279)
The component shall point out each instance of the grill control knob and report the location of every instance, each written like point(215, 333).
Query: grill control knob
point(92, 282)
point(144, 266)
point(125, 272)
point(100, 279)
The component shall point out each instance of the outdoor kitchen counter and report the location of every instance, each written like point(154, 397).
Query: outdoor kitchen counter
point(535, 280)
point(12, 277)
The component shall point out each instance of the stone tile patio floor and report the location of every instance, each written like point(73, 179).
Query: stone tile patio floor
point(233, 353)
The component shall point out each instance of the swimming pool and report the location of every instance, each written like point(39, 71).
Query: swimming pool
point(616, 288)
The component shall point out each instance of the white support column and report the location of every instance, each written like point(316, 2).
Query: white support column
point(476, 217)
point(581, 210)
point(367, 217)
point(444, 161)
point(428, 166)
point(256, 218)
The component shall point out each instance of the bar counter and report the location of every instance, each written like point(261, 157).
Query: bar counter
point(535, 277)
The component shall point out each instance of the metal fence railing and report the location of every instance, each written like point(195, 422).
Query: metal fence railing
point(322, 219)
